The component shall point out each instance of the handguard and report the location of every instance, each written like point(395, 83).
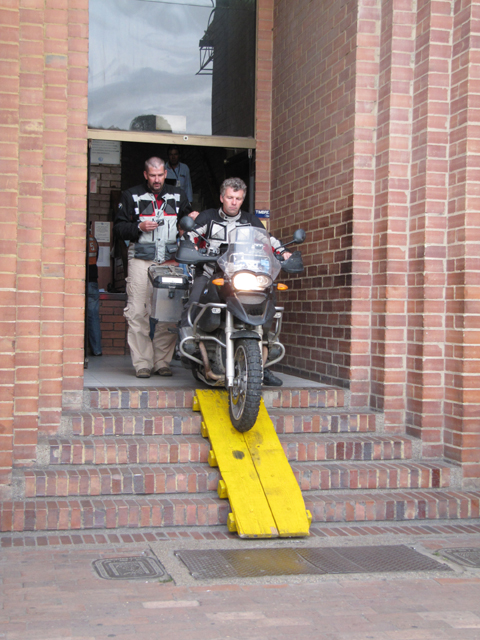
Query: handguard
point(188, 254)
point(294, 264)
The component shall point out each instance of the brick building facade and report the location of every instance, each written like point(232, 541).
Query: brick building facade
point(366, 135)
point(375, 153)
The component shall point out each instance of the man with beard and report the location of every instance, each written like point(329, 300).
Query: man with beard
point(147, 217)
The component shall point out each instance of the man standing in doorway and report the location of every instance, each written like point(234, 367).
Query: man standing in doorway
point(147, 217)
point(178, 172)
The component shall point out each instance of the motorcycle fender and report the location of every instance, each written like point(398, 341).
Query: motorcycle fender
point(236, 308)
point(238, 335)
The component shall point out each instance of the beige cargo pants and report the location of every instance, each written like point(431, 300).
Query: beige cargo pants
point(146, 353)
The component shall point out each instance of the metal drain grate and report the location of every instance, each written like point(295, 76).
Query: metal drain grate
point(254, 563)
point(136, 568)
point(467, 557)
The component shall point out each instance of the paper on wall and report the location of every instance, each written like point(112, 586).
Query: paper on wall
point(103, 259)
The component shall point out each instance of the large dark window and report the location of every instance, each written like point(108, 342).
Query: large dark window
point(183, 66)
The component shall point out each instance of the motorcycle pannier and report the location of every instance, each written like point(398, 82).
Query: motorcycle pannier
point(169, 284)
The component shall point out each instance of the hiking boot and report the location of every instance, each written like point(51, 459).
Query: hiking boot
point(269, 380)
point(166, 372)
point(143, 373)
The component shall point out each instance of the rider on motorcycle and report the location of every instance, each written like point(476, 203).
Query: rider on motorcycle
point(214, 225)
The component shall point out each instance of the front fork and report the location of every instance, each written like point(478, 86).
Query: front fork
point(230, 350)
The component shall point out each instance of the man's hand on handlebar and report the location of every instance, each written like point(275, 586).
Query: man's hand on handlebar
point(283, 256)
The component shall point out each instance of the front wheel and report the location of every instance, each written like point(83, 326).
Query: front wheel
point(246, 392)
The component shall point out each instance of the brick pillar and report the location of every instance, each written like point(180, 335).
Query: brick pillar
point(389, 290)
point(9, 179)
point(462, 379)
point(263, 105)
point(366, 100)
point(43, 156)
point(76, 49)
point(29, 239)
point(427, 226)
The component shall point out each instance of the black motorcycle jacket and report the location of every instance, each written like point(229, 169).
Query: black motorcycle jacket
point(138, 204)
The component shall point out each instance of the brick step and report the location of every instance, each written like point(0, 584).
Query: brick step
point(189, 478)
point(148, 422)
point(392, 505)
point(112, 513)
point(120, 481)
point(373, 475)
point(316, 448)
point(193, 448)
point(321, 397)
point(151, 422)
point(151, 511)
point(160, 398)
point(128, 450)
point(199, 478)
point(138, 398)
point(336, 420)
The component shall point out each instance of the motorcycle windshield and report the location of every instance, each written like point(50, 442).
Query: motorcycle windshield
point(249, 249)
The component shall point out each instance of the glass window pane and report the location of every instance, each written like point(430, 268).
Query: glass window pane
point(182, 66)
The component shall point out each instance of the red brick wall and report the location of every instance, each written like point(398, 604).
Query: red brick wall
point(364, 186)
point(312, 165)
point(405, 336)
point(391, 210)
point(366, 137)
point(113, 324)
point(263, 103)
point(427, 225)
point(43, 155)
point(462, 357)
point(108, 177)
point(43, 82)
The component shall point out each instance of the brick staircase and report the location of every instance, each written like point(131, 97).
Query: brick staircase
point(134, 458)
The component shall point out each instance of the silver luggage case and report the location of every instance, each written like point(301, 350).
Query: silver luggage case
point(169, 288)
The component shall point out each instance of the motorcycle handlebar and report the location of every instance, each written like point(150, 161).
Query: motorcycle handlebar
point(188, 254)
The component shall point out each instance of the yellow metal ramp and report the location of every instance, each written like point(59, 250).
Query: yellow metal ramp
point(257, 479)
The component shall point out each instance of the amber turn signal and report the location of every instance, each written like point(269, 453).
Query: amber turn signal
point(281, 287)
point(218, 281)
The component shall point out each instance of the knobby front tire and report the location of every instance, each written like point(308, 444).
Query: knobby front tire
point(246, 392)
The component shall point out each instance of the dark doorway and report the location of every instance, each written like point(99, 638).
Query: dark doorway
point(209, 166)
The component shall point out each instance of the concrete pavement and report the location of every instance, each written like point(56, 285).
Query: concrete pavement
point(50, 590)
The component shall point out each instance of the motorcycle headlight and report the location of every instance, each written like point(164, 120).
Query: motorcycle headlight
point(245, 281)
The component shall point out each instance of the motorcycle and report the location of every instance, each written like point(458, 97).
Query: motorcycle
point(236, 324)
